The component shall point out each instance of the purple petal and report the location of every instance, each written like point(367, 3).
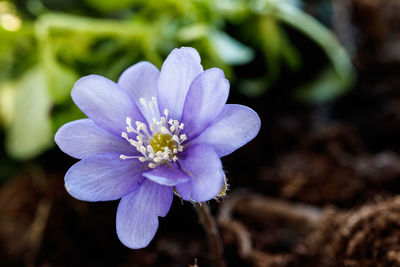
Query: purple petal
point(140, 81)
point(83, 138)
point(103, 177)
point(167, 175)
point(206, 97)
point(106, 103)
point(138, 212)
point(233, 128)
point(205, 169)
point(177, 73)
point(185, 190)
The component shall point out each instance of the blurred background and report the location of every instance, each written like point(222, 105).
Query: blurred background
point(316, 187)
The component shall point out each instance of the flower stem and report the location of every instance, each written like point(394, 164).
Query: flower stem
point(213, 236)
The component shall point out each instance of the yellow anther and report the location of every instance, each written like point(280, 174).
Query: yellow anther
point(159, 141)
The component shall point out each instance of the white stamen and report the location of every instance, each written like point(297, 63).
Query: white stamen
point(143, 102)
point(158, 131)
point(164, 130)
point(128, 121)
point(182, 137)
point(152, 165)
point(150, 149)
point(128, 157)
point(175, 138)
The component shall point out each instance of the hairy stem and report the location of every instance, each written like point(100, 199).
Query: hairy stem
point(213, 237)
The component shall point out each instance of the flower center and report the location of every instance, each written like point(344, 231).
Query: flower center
point(159, 145)
point(159, 141)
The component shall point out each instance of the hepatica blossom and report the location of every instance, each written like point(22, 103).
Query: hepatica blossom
point(151, 134)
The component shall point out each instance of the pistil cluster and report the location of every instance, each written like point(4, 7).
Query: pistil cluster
point(161, 142)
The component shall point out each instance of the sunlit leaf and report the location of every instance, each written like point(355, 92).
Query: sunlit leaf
point(230, 50)
point(192, 32)
point(107, 5)
point(7, 97)
point(59, 79)
point(236, 10)
point(30, 131)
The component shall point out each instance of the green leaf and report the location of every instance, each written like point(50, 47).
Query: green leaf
point(325, 87)
point(192, 32)
point(277, 48)
point(253, 87)
point(271, 44)
point(107, 5)
point(342, 67)
point(59, 79)
point(7, 96)
point(230, 50)
point(64, 113)
point(235, 10)
point(57, 23)
point(30, 131)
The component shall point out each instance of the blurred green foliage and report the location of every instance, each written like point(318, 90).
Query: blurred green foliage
point(45, 46)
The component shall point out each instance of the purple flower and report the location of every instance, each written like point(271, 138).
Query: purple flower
point(150, 133)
